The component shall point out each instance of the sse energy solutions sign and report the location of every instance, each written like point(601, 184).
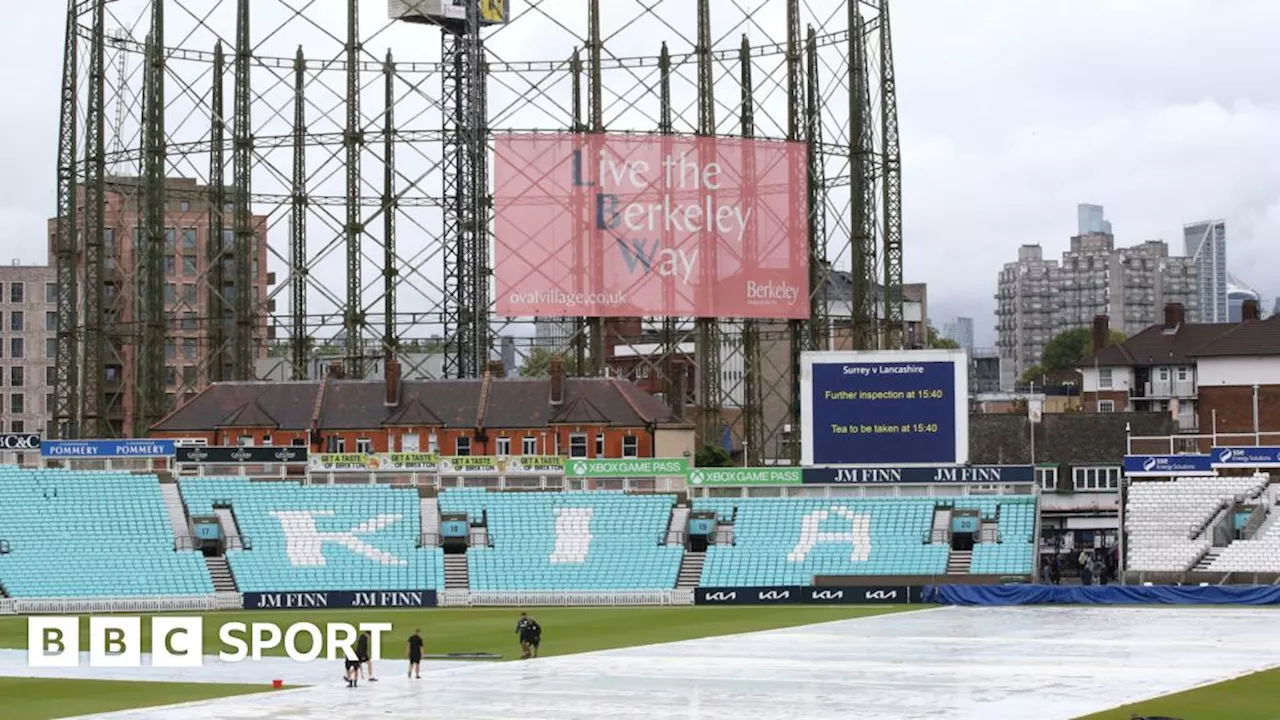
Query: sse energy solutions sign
point(884, 408)
point(621, 226)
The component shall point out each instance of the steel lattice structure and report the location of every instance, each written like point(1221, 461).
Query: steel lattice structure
point(367, 177)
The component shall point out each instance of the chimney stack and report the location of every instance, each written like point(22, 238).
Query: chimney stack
point(557, 380)
point(336, 371)
point(1101, 332)
point(1174, 315)
point(393, 383)
point(497, 369)
point(1250, 310)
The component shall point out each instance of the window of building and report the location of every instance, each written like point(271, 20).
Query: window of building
point(170, 401)
point(189, 376)
point(464, 447)
point(1182, 374)
point(433, 443)
point(17, 403)
point(578, 445)
point(245, 441)
point(299, 442)
point(599, 444)
point(17, 348)
point(189, 321)
point(1047, 478)
point(189, 348)
point(49, 404)
point(18, 426)
point(1095, 479)
point(630, 446)
point(1164, 374)
point(529, 445)
point(504, 446)
point(189, 293)
point(364, 446)
point(266, 440)
point(170, 375)
point(170, 265)
point(170, 293)
point(170, 238)
point(170, 350)
point(184, 206)
point(51, 349)
point(16, 291)
point(188, 266)
point(51, 375)
point(51, 293)
point(17, 321)
point(1104, 378)
point(188, 238)
point(1106, 406)
point(337, 444)
point(16, 376)
point(51, 322)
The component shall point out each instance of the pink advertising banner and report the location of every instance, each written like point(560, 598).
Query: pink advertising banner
point(606, 225)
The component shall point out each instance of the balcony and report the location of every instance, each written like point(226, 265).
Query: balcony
point(1168, 389)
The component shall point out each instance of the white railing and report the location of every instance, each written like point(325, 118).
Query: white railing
point(81, 606)
point(495, 598)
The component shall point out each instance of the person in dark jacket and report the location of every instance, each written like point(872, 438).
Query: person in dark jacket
point(362, 655)
point(415, 655)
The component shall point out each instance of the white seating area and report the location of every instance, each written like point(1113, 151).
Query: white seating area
point(1260, 554)
point(1164, 519)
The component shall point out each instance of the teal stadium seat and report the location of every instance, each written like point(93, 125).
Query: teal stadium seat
point(83, 534)
point(321, 538)
point(569, 541)
point(789, 541)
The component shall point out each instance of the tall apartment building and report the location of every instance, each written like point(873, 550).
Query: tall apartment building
point(188, 272)
point(1038, 298)
point(1206, 244)
point(28, 351)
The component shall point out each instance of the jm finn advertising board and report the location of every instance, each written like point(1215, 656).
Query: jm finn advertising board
point(621, 226)
point(884, 408)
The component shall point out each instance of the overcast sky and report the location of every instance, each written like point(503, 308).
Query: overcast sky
point(1013, 111)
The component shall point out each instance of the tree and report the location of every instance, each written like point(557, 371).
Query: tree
point(538, 363)
point(939, 341)
point(1069, 347)
point(712, 456)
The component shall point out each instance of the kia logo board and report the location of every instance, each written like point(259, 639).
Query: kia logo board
point(875, 595)
point(747, 596)
point(20, 441)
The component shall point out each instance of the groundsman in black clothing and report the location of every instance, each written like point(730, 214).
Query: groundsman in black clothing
point(415, 654)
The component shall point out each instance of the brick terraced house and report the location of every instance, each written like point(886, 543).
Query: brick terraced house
point(1199, 373)
point(491, 416)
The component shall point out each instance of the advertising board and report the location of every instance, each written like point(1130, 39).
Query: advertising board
point(884, 408)
point(807, 595)
point(1257, 457)
point(333, 599)
point(1167, 465)
point(434, 463)
point(104, 449)
point(267, 455)
point(947, 474)
point(739, 477)
point(628, 467)
point(619, 226)
point(20, 441)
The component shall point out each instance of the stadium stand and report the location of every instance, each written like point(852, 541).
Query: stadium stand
point(1166, 521)
point(82, 534)
point(571, 541)
point(321, 538)
point(788, 541)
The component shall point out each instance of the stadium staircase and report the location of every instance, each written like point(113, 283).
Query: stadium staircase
point(690, 574)
point(429, 518)
point(220, 572)
point(941, 530)
point(456, 574)
point(959, 561)
point(1208, 560)
point(177, 511)
point(227, 520)
point(679, 524)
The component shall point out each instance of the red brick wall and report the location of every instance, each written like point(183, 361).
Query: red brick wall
point(1234, 411)
point(1119, 397)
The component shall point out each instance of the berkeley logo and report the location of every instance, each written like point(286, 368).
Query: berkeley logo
point(179, 641)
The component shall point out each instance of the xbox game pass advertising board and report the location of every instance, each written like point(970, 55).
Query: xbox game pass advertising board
point(885, 408)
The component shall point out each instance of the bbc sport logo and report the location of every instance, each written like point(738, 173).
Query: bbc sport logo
point(178, 642)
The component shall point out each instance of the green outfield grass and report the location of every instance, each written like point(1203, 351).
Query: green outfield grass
point(565, 631)
point(39, 699)
point(1252, 697)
